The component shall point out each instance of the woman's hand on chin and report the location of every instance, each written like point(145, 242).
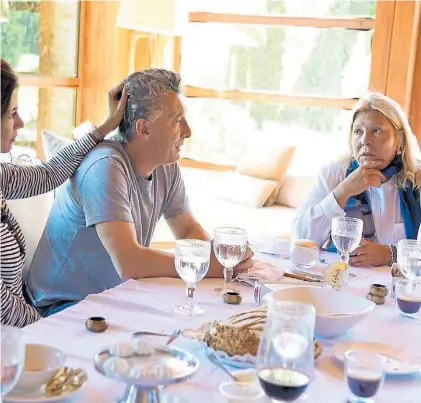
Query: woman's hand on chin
point(370, 254)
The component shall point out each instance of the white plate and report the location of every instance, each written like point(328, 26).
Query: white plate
point(19, 396)
point(395, 357)
point(237, 361)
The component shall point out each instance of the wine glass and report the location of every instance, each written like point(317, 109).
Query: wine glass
point(409, 258)
point(364, 371)
point(285, 360)
point(346, 236)
point(12, 357)
point(192, 263)
point(229, 246)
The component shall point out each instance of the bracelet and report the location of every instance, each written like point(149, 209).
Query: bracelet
point(393, 254)
point(97, 136)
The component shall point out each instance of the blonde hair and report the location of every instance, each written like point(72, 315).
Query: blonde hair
point(410, 173)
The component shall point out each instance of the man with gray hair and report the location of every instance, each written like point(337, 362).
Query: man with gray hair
point(102, 220)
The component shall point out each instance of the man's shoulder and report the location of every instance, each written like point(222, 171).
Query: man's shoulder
point(106, 153)
point(168, 172)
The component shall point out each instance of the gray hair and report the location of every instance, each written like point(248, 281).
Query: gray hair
point(146, 89)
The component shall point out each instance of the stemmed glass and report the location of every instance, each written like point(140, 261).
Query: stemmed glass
point(285, 359)
point(192, 263)
point(346, 236)
point(12, 357)
point(229, 246)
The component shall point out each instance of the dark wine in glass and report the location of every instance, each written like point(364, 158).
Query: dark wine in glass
point(282, 383)
point(285, 358)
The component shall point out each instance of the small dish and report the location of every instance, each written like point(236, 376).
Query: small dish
point(239, 392)
point(42, 362)
point(397, 360)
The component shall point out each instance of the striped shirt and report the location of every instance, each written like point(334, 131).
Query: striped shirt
point(20, 182)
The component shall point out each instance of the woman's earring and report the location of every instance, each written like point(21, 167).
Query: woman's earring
point(399, 152)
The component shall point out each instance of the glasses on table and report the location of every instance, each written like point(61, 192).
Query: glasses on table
point(364, 372)
point(409, 258)
point(285, 359)
point(12, 357)
point(229, 246)
point(192, 263)
point(408, 298)
point(346, 236)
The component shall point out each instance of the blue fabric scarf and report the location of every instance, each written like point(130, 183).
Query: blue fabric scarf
point(359, 206)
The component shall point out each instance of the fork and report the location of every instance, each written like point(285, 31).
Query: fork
point(214, 359)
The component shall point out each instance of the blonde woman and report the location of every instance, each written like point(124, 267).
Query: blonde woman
point(379, 182)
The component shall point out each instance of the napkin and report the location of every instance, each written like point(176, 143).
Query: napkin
point(260, 271)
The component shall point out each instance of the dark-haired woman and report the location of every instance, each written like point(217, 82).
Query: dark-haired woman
point(18, 182)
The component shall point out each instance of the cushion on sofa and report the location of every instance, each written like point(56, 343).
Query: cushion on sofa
point(269, 162)
point(245, 190)
point(295, 190)
point(52, 143)
point(31, 214)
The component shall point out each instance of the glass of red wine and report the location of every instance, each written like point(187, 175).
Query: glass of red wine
point(364, 373)
point(285, 360)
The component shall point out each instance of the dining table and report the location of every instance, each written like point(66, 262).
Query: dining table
point(147, 305)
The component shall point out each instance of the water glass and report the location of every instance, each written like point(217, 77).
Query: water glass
point(229, 246)
point(285, 360)
point(409, 258)
point(192, 263)
point(408, 298)
point(346, 236)
point(304, 253)
point(12, 357)
point(364, 372)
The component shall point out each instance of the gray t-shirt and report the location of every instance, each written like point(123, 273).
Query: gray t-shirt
point(71, 261)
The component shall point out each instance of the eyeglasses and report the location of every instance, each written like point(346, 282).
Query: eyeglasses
point(5, 219)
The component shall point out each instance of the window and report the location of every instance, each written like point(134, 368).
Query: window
point(273, 69)
point(40, 40)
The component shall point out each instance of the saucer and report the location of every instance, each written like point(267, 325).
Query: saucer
point(37, 396)
point(396, 362)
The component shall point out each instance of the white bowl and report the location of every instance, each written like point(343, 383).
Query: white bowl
point(41, 364)
point(336, 311)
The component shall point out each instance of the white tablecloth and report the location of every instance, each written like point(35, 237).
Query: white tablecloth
point(148, 305)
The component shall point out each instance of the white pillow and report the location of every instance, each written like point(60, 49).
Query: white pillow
point(52, 143)
point(32, 215)
point(245, 190)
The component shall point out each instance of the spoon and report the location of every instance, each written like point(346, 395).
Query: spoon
point(174, 335)
point(145, 333)
point(214, 359)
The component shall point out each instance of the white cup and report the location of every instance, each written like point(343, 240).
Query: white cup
point(41, 364)
point(304, 253)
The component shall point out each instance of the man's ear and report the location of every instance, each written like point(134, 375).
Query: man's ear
point(142, 128)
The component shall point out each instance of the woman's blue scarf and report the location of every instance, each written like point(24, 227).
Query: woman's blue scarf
point(359, 206)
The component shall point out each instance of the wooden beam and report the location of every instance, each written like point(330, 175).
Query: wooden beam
point(30, 80)
point(176, 54)
point(191, 163)
point(414, 106)
point(101, 58)
point(270, 97)
point(81, 60)
point(400, 51)
point(381, 48)
point(278, 20)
